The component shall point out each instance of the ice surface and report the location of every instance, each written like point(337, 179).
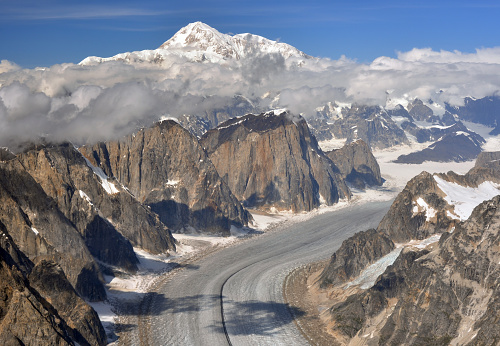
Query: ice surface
point(370, 274)
point(465, 198)
point(107, 185)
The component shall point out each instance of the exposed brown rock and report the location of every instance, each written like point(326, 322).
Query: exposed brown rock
point(165, 168)
point(28, 315)
point(271, 161)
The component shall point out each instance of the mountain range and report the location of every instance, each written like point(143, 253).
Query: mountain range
point(381, 126)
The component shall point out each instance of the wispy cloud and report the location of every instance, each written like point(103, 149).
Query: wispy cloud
point(80, 12)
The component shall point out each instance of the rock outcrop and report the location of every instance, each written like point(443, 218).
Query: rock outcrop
point(355, 254)
point(165, 168)
point(357, 164)
point(109, 218)
point(418, 211)
point(420, 112)
point(372, 124)
point(38, 305)
point(449, 294)
point(41, 231)
point(272, 161)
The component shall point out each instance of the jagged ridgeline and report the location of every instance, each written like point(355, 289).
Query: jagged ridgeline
point(272, 161)
point(431, 292)
point(165, 168)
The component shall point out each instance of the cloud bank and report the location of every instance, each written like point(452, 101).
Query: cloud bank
point(90, 103)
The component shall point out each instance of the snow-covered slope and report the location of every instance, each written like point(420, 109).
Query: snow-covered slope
point(200, 42)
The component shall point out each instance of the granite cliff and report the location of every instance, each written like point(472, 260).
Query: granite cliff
point(271, 160)
point(357, 164)
point(165, 168)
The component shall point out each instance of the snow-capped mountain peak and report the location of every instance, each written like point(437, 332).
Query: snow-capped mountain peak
point(199, 42)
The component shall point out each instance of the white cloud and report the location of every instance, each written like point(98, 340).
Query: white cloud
point(87, 103)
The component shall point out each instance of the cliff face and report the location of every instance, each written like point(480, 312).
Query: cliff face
point(109, 218)
point(271, 161)
point(165, 168)
point(41, 230)
point(38, 305)
point(355, 254)
point(447, 295)
point(357, 164)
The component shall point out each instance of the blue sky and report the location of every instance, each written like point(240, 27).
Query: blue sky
point(43, 33)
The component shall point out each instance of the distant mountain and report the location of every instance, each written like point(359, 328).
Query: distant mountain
point(455, 143)
point(202, 43)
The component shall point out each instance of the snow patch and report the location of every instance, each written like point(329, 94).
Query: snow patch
point(370, 274)
point(421, 205)
point(464, 198)
point(107, 185)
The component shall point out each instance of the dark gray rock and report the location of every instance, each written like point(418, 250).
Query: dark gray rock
point(355, 254)
point(420, 112)
point(272, 161)
point(372, 124)
point(456, 146)
point(482, 111)
point(6, 154)
point(357, 164)
point(41, 230)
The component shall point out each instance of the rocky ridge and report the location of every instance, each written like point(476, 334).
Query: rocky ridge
point(39, 305)
point(165, 168)
point(357, 164)
point(429, 204)
point(41, 231)
point(272, 161)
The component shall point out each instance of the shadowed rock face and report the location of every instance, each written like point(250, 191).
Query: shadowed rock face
point(357, 164)
point(41, 230)
point(271, 161)
point(355, 254)
point(451, 293)
point(165, 168)
point(38, 305)
point(109, 218)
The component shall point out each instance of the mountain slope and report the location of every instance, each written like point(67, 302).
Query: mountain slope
point(272, 161)
point(165, 168)
point(202, 43)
